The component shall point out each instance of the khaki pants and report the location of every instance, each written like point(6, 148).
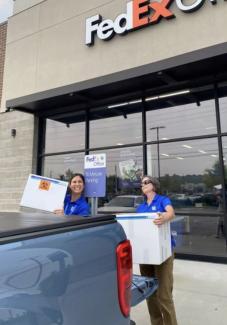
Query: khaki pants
point(160, 304)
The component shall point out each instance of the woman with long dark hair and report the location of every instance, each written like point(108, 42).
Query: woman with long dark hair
point(75, 202)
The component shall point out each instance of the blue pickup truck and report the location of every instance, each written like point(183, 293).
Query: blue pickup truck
point(66, 270)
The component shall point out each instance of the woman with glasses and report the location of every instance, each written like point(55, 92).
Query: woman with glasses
point(160, 305)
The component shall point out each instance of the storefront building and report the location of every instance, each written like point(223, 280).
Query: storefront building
point(3, 31)
point(143, 81)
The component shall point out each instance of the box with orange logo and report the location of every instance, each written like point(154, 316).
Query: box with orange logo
point(44, 193)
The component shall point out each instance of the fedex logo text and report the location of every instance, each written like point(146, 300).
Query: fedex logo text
point(139, 13)
point(90, 159)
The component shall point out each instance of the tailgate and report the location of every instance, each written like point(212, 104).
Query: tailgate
point(142, 288)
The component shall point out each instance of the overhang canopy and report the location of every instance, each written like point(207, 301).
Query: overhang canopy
point(195, 79)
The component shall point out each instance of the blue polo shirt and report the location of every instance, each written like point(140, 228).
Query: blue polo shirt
point(78, 207)
point(158, 204)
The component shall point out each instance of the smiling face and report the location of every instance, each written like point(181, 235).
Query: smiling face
point(147, 186)
point(77, 185)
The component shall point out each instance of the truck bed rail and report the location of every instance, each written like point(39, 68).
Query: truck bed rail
point(24, 223)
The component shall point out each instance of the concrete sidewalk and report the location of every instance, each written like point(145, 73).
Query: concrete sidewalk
point(200, 294)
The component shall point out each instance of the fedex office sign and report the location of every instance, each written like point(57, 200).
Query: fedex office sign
point(95, 161)
point(139, 13)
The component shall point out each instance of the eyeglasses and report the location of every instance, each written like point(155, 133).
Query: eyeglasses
point(146, 182)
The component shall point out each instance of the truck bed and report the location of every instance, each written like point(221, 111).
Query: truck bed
point(30, 224)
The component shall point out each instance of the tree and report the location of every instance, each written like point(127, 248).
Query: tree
point(212, 176)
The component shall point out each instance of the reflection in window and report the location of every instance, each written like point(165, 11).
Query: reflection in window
point(63, 137)
point(63, 166)
point(124, 170)
point(189, 171)
point(224, 147)
point(116, 130)
point(181, 121)
point(190, 176)
point(121, 201)
point(223, 113)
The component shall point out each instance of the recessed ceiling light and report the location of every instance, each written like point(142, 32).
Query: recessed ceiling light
point(210, 127)
point(117, 105)
point(135, 101)
point(125, 103)
point(186, 146)
point(175, 93)
point(151, 98)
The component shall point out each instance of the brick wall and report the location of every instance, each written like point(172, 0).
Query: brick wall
point(3, 32)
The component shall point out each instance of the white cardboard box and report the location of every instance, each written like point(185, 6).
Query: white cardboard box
point(44, 193)
point(151, 244)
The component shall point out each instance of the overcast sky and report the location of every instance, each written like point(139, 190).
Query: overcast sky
point(6, 7)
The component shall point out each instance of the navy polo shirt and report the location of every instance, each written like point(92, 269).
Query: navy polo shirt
point(158, 204)
point(78, 207)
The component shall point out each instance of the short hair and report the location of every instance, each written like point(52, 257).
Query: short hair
point(153, 180)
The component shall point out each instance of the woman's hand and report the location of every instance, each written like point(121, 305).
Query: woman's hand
point(59, 212)
point(163, 217)
point(160, 219)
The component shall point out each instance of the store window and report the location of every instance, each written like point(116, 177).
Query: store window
point(64, 137)
point(224, 148)
point(181, 121)
point(124, 171)
point(190, 176)
point(114, 131)
point(223, 113)
point(63, 166)
point(189, 171)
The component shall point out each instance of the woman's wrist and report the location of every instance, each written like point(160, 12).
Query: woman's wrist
point(165, 216)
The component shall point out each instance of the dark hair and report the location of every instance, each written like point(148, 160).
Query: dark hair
point(70, 181)
point(154, 182)
point(77, 174)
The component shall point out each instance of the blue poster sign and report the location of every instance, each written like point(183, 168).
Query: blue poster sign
point(95, 175)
